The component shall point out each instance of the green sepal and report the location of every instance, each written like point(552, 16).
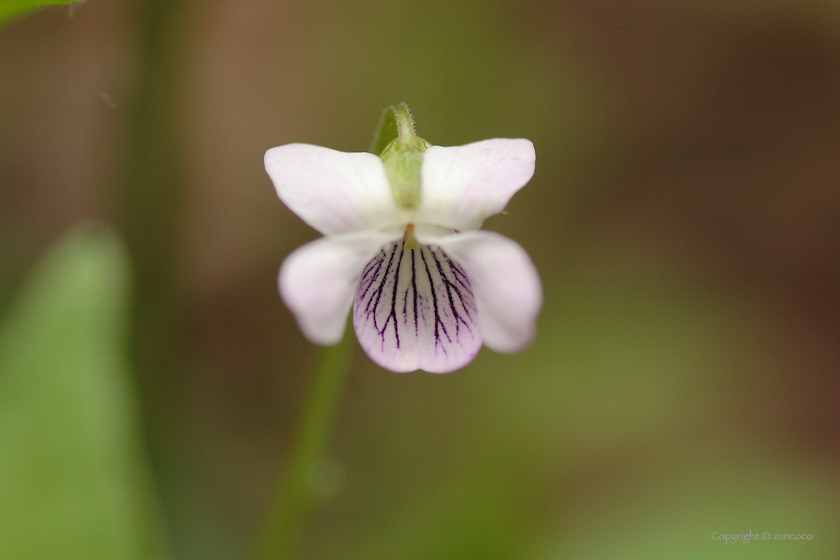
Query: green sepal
point(401, 151)
point(386, 131)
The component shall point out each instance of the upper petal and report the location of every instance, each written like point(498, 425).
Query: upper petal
point(334, 192)
point(464, 185)
point(505, 282)
point(317, 281)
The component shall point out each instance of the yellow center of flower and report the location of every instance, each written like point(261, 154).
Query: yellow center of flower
point(410, 242)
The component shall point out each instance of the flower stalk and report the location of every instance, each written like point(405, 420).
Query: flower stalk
point(303, 489)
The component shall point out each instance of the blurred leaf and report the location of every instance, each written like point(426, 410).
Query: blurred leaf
point(72, 482)
point(10, 9)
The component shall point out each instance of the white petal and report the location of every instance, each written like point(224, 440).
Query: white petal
point(505, 282)
point(464, 185)
point(334, 192)
point(317, 281)
point(415, 309)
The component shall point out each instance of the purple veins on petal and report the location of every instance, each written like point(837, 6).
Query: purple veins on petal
point(424, 288)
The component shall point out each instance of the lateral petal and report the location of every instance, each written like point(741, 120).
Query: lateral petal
point(464, 185)
point(505, 282)
point(317, 281)
point(334, 192)
point(415, 309)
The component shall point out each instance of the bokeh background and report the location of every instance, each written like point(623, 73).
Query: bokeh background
point(684, 217)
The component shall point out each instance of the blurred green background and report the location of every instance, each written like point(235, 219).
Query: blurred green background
point(684, 217)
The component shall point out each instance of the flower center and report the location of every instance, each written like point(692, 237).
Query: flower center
point(410, 241)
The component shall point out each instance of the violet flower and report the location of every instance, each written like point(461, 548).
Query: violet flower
point(403, 246)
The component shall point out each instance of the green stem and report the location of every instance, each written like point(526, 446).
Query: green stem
point(299, 492)
point(149, 201)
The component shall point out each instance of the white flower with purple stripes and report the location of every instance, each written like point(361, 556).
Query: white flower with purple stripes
point(427, 286)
